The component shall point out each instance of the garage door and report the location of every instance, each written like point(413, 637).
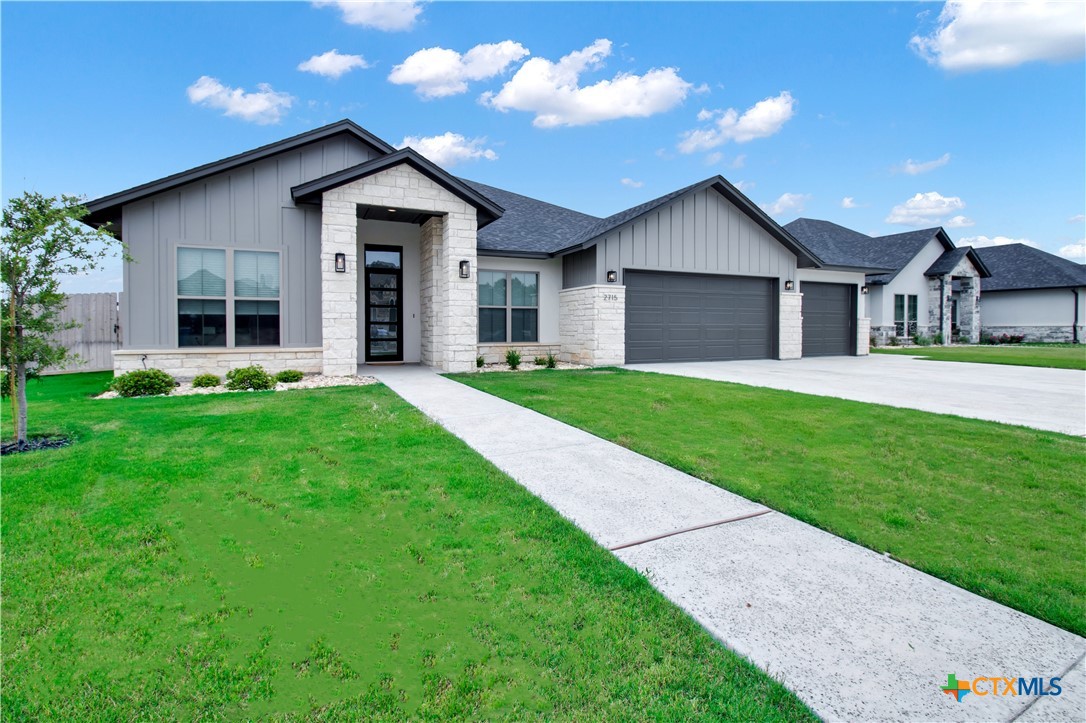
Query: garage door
point(691, 317)
point(828, 319)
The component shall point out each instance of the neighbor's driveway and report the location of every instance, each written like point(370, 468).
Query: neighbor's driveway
point(1051, 399)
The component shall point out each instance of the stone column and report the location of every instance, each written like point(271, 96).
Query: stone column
point(863, 336)
point(339, 291)
point(460, 314)
point(592, 325)
point(430, 249)
point(790, 323)
point(969, 308)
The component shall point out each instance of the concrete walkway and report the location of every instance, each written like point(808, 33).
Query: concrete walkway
point(1049, 399)
point(856, 635)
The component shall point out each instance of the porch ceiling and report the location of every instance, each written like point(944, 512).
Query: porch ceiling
point(399, 215)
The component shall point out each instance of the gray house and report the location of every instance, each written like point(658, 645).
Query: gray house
point(1033, 294)
point(917, 282)
point(332, 249)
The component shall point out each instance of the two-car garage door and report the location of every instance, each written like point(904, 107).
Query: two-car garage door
point(694, 317)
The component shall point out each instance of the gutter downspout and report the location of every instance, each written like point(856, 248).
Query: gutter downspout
point(1074, 329)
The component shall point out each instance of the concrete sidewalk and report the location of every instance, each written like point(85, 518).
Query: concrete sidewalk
point(1049, 399)
point(856, 635)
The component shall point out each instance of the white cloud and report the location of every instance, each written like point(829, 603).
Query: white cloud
point(979, 35)
point(332, 64)
point(986, 241)
point(849, 202)
point(787, 203)
point(263, 106)
point(704, 114)
point(553, 92)
point(449, 148)
point(440, 72)
point(1075, 251)
point(929, 209)
point(915, 168)
point(631, 183)
point(1077, 218)
point(761, 120)
point(388, 16)
point(745, 186)
point(959, 222)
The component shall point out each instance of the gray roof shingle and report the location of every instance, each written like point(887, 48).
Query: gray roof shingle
point(840, 246)
point(1017, 266)
point(529, 226)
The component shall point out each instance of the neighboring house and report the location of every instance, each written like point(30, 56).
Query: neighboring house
point(918, 282)
point(331, 249)
point(1033, 294)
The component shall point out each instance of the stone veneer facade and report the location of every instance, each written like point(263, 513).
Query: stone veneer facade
point(940, 295)
point(863, 336)
point(448, 303)
point(188, 362)
point(790, 326)
point(592, 324)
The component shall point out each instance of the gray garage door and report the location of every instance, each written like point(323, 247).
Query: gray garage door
point(691, 317)
point(828, 319)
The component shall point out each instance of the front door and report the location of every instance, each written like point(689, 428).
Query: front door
point(384, 303)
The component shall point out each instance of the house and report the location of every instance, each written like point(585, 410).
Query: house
point(331, 249)
point(1033, 294)
point(918, 282)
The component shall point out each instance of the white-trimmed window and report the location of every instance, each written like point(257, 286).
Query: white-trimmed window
point(214, 313)
point(906, 312)
point(508, 306)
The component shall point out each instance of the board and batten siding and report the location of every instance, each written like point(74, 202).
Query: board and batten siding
point(702, 232)
point(249, 207)
point(579, 268)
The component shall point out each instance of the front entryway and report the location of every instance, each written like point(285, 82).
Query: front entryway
point(384, 303)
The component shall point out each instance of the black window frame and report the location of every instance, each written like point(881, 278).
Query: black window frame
point(508, 308)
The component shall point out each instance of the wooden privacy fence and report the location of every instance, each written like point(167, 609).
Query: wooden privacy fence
point(98, 335)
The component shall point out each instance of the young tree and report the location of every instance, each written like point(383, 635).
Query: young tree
point(42, 240)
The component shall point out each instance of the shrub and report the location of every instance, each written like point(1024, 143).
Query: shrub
point(963, 339)
point(921, 340)
point(206, 380)
point(288, 376)
point(894, 341)
point(512, 358)
point(253, 377)
point(540, 361)
point(938, 338)
point(479, 361)
point(143, 383)
point(552, 361)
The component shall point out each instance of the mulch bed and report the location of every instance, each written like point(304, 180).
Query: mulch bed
point(35, 443)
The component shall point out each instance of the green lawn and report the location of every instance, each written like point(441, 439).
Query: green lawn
point(1061, 356)
point(996, 509)
point(321, 554)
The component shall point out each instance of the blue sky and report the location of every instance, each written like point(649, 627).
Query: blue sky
point(971, 117)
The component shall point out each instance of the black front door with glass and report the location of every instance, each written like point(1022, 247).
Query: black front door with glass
point(384, 303)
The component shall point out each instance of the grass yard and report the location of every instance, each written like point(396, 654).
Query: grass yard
point(323, 554)
point(1060, 356)
point(996, 509)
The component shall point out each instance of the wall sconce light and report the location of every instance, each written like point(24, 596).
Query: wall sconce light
point(341, 263)
point(612, 277)
point(864, 289)
point(789, 285)
point(465, 269)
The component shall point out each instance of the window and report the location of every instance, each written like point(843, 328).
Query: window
point(508, 306)
point(905, 326)
point(203, 298)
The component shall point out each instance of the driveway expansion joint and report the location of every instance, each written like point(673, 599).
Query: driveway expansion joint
point(726, 521)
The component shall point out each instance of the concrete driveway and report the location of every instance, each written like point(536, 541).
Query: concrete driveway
point(1049, 399)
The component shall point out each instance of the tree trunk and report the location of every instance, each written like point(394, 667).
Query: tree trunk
point(20, 393)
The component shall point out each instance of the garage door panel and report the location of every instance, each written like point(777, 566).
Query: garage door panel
point(828, 319)
point(691, 317)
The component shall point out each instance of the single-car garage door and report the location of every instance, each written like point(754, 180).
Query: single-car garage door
point(829, 319)
point(694, 317)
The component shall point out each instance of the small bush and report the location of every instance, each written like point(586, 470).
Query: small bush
point(552, 361)
point(245, 378)
point(894, 341)
point(512, 358)
point(287, 376)
point(938, 338)
point(143, 383)
point(479, 361)
point(963, 339)
point(921, 340)
point(540, 361)
point(206, 380)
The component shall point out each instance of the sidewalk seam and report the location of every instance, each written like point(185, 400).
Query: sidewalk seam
point(1033, 702)
point(738, 518)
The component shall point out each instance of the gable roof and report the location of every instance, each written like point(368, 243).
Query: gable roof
point(528, 227)
point(836, 245)
point(895, 251)
point(1017, 266)
point(805, 257)
point(106, 208)
point(950, 259)
point(486, 210)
